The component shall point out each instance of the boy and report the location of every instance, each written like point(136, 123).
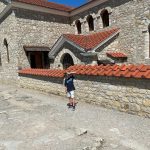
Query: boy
point(69, 84)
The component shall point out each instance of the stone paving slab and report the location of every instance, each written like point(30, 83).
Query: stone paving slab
point(31, 120)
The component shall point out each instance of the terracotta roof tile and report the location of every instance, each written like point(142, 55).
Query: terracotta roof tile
point(116, 55)
point(46, 4)
point(90, 41)
point(43, 72)
point(126, 71)
point(146, 74)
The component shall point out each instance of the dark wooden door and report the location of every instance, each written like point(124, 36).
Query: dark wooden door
point(38, 60)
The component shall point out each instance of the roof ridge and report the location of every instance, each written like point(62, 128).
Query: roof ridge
point(88, 42)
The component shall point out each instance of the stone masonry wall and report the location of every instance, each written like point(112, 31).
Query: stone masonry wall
point(8, 70)
point(21, 28)
point(49, 85)
point(38, 29)
point(127, 95)
point(132, 17)
point(110, 46)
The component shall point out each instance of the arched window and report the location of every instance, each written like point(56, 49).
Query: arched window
point(78, 26)
point(6, 44)
point(67, 61)
point(90, 21)
point(105, 18)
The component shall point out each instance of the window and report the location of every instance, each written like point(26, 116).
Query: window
point(90, 21)
point(78, 26)
point(147, 42)
point(105, 18)
point(6, 45)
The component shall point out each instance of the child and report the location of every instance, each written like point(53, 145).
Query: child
point(70, 88)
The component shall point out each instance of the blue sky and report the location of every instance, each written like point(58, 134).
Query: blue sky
point(73, 3)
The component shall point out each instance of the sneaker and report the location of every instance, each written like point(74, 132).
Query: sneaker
point(69, 105)
point(73, 108)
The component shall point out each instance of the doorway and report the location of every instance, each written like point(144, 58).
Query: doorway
point(67, 61)
point(38, 59)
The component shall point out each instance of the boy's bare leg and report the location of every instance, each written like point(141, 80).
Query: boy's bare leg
point(73, 102)
point(70, 101)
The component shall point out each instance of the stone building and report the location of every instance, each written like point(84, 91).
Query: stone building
point(99, 32)
point(100, 39)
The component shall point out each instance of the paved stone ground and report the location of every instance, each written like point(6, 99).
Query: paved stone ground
point(30, 120)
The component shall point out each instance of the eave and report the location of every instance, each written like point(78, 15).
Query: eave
point(39, 9)
point(15, 5)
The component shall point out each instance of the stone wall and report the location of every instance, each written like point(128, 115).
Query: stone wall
point(109, 46)
point(127, 95)
point(49, 85)
point(21, 28)
point(38, 29)
point(8, 69)
point(132, 17)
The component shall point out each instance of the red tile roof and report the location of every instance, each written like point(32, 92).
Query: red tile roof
point(43, 72)
point(116, 54)
point(126, 71)
point(46, 4)
point(90, 41)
